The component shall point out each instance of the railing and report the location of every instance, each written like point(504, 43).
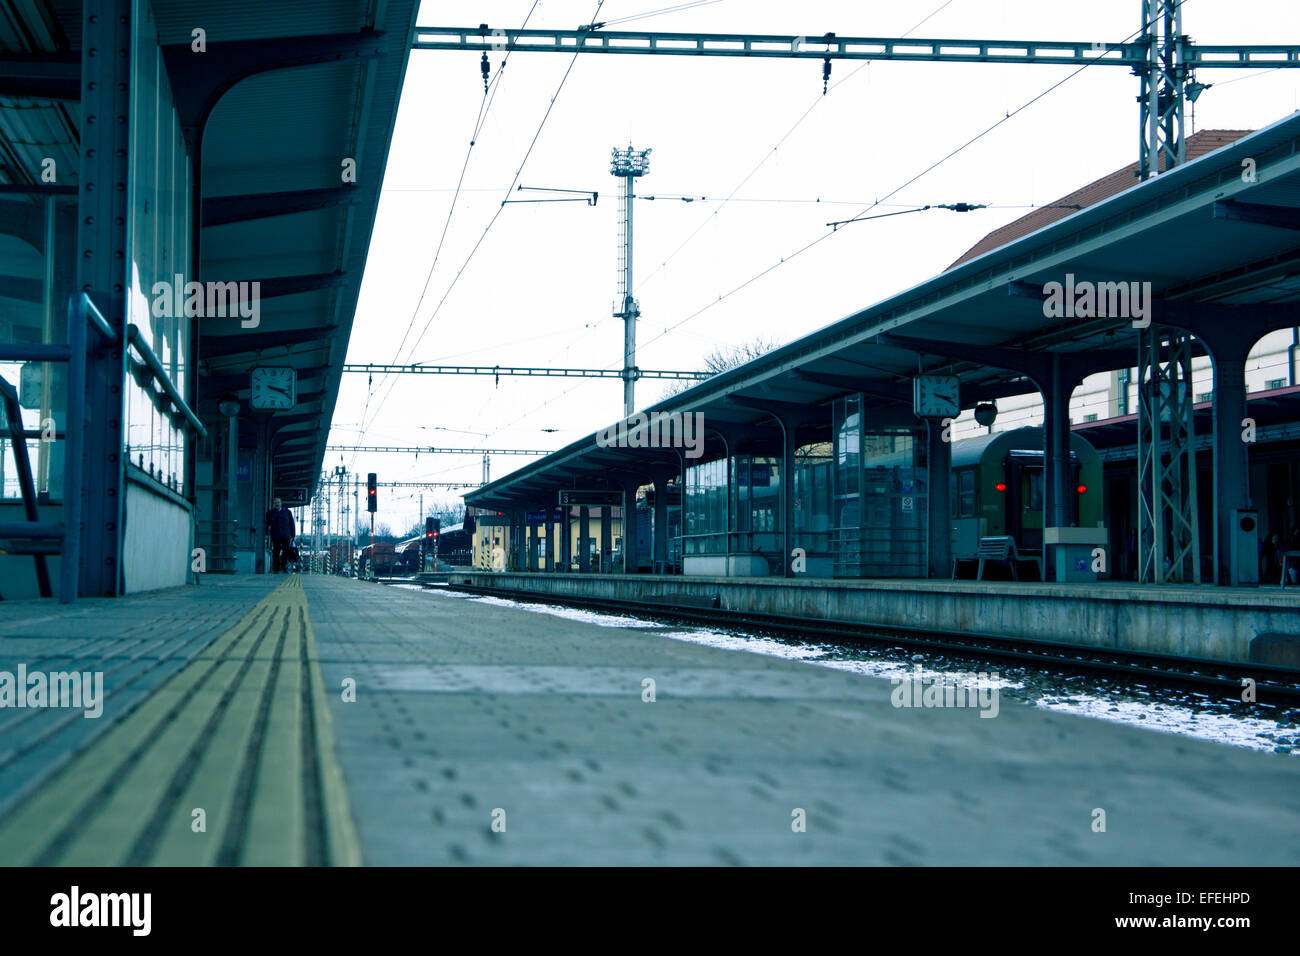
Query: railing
point(220, 537)
point(66, 536)
point(880, 552)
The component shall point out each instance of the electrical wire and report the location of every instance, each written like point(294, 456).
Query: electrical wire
point(485, 107)
point(748, 176)
point(893, 192)
point(655, 13)
point(772, 152)
point(862, 214)
point(489, 100)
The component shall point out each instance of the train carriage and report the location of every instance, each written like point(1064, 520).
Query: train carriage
point(998, 488)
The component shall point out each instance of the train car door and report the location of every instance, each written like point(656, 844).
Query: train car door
point(1025, 501)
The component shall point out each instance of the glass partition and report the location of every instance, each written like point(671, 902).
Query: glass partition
point(158, 239)
point(37, 259)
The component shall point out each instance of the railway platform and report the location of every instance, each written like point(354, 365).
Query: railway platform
point(327, 720)
point(1234, 625)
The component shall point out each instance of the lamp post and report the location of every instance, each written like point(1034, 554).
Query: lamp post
point(229, 406)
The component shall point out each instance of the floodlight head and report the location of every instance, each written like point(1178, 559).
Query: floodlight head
point(629, 162)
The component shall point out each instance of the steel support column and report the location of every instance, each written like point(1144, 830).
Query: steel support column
point(584, 555)
point(1060, 386)
point(102, 263)
point(606, 535)
point(1163, 79)
point(1231, 460)
point(938, 478)
point(1169, 542)
point(566, 539)
point(530, 541)
point(630, 543)
point(659, 531)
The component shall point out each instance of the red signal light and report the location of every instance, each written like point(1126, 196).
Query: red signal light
point(1001, 486)
point(1083, 489)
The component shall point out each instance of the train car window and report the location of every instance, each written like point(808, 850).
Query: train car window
point(966, 493)
point(1035, 490)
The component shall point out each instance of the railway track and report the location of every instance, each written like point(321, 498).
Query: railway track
point(1274, 686)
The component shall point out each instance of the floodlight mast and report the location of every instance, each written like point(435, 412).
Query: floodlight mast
point(628, 165)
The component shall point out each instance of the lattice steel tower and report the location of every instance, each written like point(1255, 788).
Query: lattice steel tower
point(628, 164)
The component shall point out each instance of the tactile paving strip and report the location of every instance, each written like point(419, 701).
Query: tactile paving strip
point(241, 733)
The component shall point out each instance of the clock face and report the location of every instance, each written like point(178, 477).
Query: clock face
point(273, 388)
point(936, 396)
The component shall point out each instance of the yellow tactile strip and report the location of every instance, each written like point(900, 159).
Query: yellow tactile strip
point(242, 733)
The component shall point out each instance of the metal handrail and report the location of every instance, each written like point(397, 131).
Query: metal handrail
point(33, 527)
point(138, 342)
point(83, 314)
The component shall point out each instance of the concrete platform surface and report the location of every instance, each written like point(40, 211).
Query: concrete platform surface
point(325, 720)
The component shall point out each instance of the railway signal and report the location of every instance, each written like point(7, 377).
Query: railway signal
point(432, 528)
point(372, 504)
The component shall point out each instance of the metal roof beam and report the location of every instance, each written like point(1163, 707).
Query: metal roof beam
point(220, 346)
point(293, 285)
point(223, 210)
point(874, 387)
point(215, 384)
point(42, 76)
point(1281, 217)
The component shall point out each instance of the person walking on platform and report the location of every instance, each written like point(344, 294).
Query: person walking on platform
point(279, 522)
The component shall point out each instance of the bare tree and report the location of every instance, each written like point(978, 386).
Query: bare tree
point(721, 359)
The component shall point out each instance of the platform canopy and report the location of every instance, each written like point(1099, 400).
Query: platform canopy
point(1221, 230)
point(280, 100)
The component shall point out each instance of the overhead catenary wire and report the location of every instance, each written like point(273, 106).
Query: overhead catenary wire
point(485, 107)
point(895, 191)
point(788, 257)
point(779, 143)
point(748, 176)
point(496, 215)
point(767, 156)
point(677, 8)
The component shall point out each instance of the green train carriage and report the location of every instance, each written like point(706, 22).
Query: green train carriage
point(999, 488)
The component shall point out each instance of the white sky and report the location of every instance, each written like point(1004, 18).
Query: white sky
point(539, 291)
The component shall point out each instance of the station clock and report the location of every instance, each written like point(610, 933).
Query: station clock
point(273, 389)
point(936, 396)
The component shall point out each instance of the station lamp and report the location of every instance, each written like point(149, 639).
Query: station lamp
point(986, 414)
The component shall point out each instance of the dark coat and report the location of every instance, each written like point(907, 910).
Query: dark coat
point(281, 524)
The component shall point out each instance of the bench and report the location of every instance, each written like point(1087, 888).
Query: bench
point(1001, 548)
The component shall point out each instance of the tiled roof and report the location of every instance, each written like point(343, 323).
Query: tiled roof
point(1198, 144)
